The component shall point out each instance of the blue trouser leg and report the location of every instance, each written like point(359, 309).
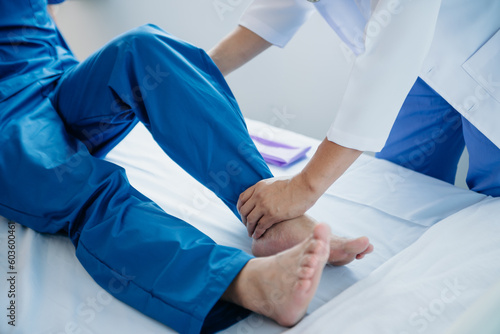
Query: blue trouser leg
point(155, 262)
point(484, 161)
point(181, 97)
point(427, 135)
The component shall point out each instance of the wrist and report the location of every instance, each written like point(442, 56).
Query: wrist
point(308, 187)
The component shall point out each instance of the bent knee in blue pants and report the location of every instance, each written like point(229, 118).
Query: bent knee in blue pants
point(54, 130)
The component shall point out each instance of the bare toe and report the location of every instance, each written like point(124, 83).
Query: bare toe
point(343, 251)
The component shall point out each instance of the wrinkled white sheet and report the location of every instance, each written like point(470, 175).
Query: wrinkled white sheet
point(427, 286)
point(389, 204)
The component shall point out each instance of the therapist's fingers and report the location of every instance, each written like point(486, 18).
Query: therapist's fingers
point(246, 206)
point(245, 211)
point(244, 197)
point(253, 219)
point(262, 226)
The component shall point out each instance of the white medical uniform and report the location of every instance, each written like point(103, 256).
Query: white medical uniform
point(453, 45)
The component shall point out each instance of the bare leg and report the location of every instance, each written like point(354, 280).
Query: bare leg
point(282, 286)
point(291, 232)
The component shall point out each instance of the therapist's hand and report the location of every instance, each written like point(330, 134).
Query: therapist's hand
point(272, 201)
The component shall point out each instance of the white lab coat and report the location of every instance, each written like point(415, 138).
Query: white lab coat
point(454, 45)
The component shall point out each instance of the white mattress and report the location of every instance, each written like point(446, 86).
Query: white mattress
point(413, 262)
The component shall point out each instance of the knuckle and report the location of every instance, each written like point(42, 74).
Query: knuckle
point(250, 220)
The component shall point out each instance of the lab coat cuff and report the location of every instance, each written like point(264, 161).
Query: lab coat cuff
point(265, 31)
point(356, 141)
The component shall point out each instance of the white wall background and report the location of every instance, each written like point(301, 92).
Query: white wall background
point(297, 88)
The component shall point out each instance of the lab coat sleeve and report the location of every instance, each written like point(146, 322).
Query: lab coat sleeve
point(276, 21)
point(398, 36)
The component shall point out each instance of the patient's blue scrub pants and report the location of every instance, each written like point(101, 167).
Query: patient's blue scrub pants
point(429, 136)
point(52, 181)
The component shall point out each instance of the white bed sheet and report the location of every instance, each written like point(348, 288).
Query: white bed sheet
point(425, 287)
point(391, 205)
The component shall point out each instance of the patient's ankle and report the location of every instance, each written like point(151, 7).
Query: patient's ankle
point(283, 236)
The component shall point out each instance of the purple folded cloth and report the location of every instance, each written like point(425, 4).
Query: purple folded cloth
point(277, 153)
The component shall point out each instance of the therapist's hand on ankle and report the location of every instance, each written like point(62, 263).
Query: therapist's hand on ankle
point(274, 200)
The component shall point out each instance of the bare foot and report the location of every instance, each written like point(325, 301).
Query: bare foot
point(282, 286)
point(291, 232)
